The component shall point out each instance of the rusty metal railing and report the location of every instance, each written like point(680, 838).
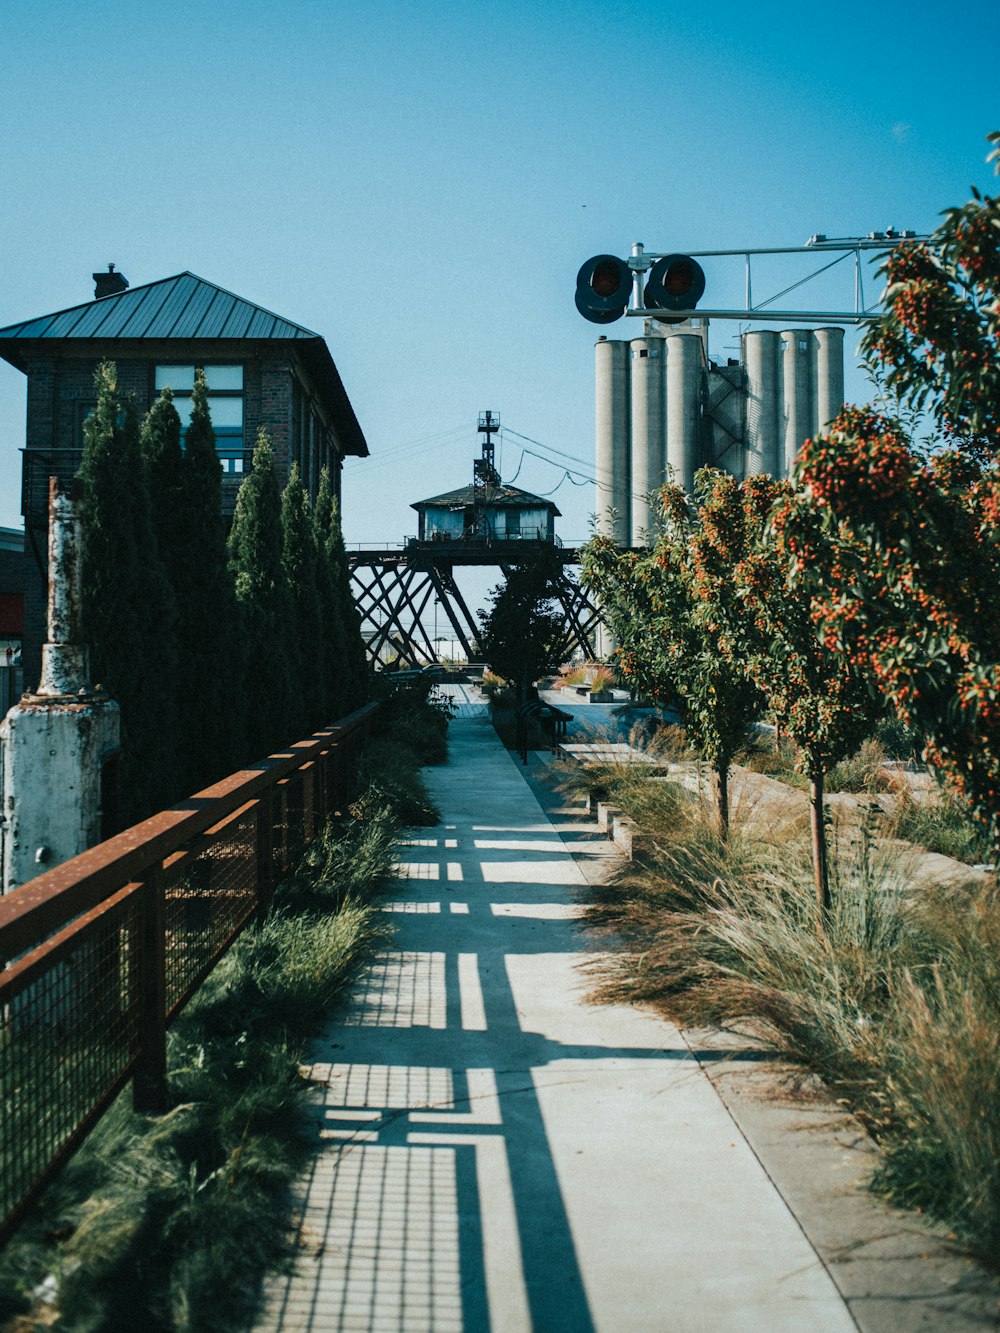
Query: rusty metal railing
point(105, 950)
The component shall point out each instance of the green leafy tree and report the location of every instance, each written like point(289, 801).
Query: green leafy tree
point(918, 536)
point(668, 632)
point(129, 614)
point(255, 563)
point(754, 541)
point(936, 347)
point(522, 634)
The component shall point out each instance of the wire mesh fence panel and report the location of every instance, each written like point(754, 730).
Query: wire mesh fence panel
point(309, 784)
point(83, 1005)
point(211, 893)
point(281, 839)
point(68, 1040)
point(295, 815)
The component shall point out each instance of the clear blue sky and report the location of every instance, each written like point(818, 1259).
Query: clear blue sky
point(419, 182)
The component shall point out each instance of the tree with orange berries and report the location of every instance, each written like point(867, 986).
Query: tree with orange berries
point(754, 538)
point(668, 636)
point(917, 532)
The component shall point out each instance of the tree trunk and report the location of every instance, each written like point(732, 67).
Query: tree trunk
point(821, 866)
point(722, 792)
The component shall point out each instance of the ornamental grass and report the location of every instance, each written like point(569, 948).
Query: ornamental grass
point(896, 1006)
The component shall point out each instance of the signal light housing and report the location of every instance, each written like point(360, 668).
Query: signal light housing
point(675, 282)
point(603, 288)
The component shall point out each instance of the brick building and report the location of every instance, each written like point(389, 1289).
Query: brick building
point(262, 371)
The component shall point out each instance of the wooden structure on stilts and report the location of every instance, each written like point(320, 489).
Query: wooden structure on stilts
point(487, 524)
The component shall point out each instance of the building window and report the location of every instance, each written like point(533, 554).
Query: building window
point(225, 403)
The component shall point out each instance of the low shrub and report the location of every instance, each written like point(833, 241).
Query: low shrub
point(414, 715)
point(498, 691)
point(898, 740)
point(389, 775)
point(941, 824)
point(863, 771)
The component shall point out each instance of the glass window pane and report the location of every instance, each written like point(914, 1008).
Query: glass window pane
point(226, 411)
point(175, 377)
point(183, 406)
point(224, 377)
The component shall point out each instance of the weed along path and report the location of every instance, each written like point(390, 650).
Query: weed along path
point(495, 1153)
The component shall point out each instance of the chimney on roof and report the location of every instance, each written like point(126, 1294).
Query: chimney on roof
point(109, 284)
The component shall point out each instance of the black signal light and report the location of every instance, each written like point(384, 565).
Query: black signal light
point(675, 282)
point(603, 288)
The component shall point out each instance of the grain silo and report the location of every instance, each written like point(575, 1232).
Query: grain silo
point(664, 409)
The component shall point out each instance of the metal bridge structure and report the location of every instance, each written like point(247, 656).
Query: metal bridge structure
point(398, 591)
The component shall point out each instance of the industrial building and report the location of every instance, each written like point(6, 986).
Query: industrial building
point(664, 409)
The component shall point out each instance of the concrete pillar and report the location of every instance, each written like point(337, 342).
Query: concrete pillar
point(614, 483)
point(828, 375)
point(55, 742)
point(647, 432)
point(799, 412)
point(683, 412)
point(763, 404)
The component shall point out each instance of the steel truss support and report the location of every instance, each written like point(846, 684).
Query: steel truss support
point(393, 595)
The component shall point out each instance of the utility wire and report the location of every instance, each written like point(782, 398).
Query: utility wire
point(575, 458)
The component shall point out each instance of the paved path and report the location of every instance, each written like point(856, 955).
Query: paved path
point(497, 1154)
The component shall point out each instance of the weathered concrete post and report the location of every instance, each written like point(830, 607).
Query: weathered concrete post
point(57, 740)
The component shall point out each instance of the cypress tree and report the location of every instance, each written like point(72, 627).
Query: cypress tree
point(354, 687)
point(334, 652)
point(211, 649)
point(160, 442)
point(298, 557)
point(128, 609)
point(262, 595)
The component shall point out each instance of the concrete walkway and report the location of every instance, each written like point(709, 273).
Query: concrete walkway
point(497, 1154)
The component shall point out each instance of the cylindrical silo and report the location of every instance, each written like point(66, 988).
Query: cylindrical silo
point(614, 485)
point(763, 451)
point(828, 350)
point(796, 370)
point(683, 411)
point(647, 431)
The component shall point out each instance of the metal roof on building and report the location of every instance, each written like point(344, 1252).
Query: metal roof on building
point(184, 306)
point(497, 497)
point(187, 308)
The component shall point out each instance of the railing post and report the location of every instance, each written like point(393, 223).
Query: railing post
point(321, 801)
point(333, 788)
point(149, 1086)
point(265, 853)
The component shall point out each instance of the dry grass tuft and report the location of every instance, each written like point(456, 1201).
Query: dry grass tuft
point(896, 1006)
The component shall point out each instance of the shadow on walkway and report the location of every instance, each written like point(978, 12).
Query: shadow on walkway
point(493, 1152)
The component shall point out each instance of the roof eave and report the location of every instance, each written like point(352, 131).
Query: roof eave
point(19, 351)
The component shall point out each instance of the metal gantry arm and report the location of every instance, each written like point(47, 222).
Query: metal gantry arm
point(640, 260)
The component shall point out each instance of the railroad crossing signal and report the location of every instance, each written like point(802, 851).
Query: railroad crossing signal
point(604, 286)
